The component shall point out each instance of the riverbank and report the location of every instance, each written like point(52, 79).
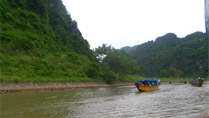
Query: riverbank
point(23, 87)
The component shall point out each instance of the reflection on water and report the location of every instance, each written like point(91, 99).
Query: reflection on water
point(171, 101)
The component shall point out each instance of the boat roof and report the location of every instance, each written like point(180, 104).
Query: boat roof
point(150, 80)
point(147, 80)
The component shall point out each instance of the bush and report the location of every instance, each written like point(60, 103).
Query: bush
point(92, 73)
point(171, 72)
point(109, 77)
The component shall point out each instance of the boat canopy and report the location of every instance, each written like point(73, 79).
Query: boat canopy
point(148, 81)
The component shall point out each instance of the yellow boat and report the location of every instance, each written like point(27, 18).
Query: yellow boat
point(147, 85)
point(198, 82)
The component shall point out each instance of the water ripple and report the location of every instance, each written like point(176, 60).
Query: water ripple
point(170, 101)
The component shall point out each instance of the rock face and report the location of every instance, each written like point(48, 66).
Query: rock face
point(204, 113)
point(75, 29)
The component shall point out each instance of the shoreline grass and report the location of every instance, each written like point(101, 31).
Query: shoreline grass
point(16, 79)
point(175, 79)
point(162, 79)
point(130, 78)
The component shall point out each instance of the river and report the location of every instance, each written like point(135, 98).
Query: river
point(170, 101)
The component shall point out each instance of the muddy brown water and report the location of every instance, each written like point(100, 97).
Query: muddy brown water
point(170, 101)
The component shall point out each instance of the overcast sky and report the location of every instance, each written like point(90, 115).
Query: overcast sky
point(131, 22)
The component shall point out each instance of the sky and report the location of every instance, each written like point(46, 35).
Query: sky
point(122, 23)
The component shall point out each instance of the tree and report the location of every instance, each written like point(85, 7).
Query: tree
point(188, 54)
point(171, 72)
point(120, 62)
point(103, 51)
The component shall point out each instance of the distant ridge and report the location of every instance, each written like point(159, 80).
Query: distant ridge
point(129, 49)
point(187, 55)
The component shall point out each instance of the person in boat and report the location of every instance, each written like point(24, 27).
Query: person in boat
point(146, 84)
point(158, 81)
point(153, 83)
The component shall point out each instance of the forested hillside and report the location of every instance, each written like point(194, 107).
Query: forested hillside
point(170, 56)
point(129, 49)
point(40, 42)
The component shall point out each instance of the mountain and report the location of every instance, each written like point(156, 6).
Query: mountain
point(129, 49)
point(40, 42)
point(169, 55)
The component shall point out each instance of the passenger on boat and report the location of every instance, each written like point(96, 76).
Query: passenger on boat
point(145, 84)
point(153, 83)
point(158, 81)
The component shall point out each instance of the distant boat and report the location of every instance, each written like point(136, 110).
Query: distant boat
point(197, 82)
point(147, 85)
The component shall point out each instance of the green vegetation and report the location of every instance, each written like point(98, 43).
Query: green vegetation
point(175, 79)
point(39, 42)
point(17, 79)
point(170, 56)
point(116, 65)
point(170, 72)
